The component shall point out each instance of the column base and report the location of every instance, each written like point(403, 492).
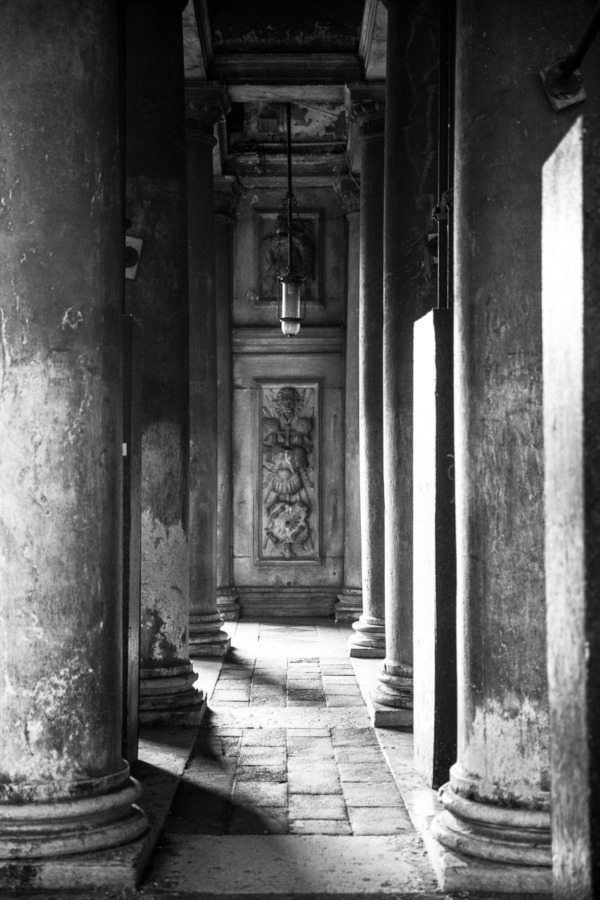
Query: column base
point(207, 637)
point(167, 695)
point(228, 604)
point(77, 824)
point(478, 846)
point(395, 687)
point(349, 605)
point(368, 642)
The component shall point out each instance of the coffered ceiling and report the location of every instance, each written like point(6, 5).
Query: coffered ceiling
point(312, 54)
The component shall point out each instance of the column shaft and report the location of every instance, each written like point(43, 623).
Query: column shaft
point(409, 291)
point(158, 298)
point(369, 637)
point(349, 605)
point(207, 638)
point(497, 801)
point(64, 787)
point(227, 598)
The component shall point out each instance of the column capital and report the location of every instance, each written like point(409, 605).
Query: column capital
point(348, 191)
point(370, 116)
point(365, 105)
point(205, 104)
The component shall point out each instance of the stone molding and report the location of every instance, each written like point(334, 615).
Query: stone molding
point(286, 68)
point(258, 341)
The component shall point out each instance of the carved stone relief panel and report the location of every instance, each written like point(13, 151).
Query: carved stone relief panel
point(272, 251)
point(288, 471)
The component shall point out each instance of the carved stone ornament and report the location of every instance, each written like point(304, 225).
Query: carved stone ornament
point(369, 115)
point(289, 507)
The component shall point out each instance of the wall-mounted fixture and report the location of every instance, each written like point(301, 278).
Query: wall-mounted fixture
point(292, 301)
point(133, 252)
point(563, 82)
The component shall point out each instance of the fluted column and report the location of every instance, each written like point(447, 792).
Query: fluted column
point(495, 830)
point(204, 105)
point(227, 598)
point(410, 191)
point(349, 606)
point(369, 637)
point(158, 298)
point(64, 787)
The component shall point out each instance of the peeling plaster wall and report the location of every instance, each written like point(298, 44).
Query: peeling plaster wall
point(310, 26)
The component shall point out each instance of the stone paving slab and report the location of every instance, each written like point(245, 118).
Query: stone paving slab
point(321, 806)
point(373, 794)
point(275, 774)
point(255, 793)
point(263, 820)
point(366, 820)
point(314, 781)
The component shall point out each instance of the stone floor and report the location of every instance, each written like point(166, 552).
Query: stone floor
point(286, 791)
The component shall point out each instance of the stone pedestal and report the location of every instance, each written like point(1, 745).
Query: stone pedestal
point(409, 291)
point(228, 603)
point(349, 606)
point(571, 328)
point(495, 830)
point(434, 549)
point(64, 787)
point(158, 298)
point(369, 637)
point(203, 107)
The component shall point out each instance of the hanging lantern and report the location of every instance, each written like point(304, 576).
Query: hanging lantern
point(292, 303)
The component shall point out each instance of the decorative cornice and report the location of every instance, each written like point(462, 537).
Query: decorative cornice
point(205, 104)
point(270, 340)
point(286, 68)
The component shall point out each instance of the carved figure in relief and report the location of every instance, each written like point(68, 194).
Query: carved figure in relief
point(274, 253)
point(288, 474)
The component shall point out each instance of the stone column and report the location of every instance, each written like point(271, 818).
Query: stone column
point(64, 787)
point(349, 606)
point(369, 637)
point(204, 105)
point(227, 598)
point(158, 298)
point(409, 292)
point(496, 827)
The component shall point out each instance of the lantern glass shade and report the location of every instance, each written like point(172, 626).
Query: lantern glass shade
point(291, 303)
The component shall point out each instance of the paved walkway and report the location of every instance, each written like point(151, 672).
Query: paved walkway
point(287, 791)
